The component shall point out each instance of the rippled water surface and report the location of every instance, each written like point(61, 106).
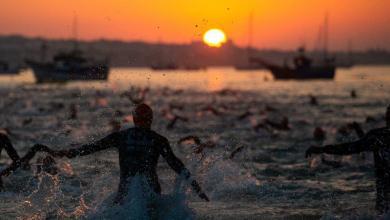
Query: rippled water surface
point(268, 178)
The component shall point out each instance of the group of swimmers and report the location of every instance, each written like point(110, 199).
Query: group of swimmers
point(140, 147)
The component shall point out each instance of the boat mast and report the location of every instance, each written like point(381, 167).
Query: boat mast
point(326, 35)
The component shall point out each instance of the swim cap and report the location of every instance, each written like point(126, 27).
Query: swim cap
point(143, 112)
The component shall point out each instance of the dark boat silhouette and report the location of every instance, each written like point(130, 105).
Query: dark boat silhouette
point(68, 66)
point(7, 69)
point(303, 68)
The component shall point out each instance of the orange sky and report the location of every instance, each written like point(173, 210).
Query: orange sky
point(277, 23)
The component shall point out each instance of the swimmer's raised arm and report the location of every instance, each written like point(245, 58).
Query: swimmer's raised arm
point(177, 165)
point(6, 144)
point(109, 141)
point(26, 159)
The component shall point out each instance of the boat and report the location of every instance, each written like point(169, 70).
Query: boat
point(6, 69)
point(303, 68)
point(68, 66)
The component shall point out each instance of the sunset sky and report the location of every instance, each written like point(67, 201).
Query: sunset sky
point(282, 24)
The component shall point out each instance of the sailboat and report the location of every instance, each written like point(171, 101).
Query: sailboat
point(68, 66)
point(304, 67)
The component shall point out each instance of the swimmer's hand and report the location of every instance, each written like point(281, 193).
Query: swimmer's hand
point(313, 150)
point(196, 187)
point(204, 197)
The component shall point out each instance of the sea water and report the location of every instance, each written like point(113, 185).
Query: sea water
point(268, 178)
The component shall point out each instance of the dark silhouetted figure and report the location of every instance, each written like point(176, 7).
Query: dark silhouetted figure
point(73, 111)
point(139, 150)
point(282, 125)
point(319, 134)
point(244, 115)
point(353, 94)
point(136, 96)
point(199, 145)
point(212, 110)
point(174, 120)
point(236, 151)
point(313, 100)
point(377, 141)
point(5, 144)
point(18, 162)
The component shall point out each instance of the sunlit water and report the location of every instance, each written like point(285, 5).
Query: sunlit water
point(269, 178)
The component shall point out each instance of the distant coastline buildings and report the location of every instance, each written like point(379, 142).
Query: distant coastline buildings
point(15, 49)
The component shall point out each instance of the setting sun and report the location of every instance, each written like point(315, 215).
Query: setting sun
point(214, 37)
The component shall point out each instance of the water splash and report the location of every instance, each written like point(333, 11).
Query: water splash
point(143, 204)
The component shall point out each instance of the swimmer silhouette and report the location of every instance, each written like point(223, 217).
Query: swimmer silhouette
point(5, 144)
point(377, 141)
point(18, 162)
point(139, 150)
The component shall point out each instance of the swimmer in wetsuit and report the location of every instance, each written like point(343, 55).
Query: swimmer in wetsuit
point(5, 144)
point(17, 161)
point(377, 141)
point(139, 149)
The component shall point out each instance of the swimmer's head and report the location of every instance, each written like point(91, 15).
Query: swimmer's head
point(143, 116)
point(388, 116)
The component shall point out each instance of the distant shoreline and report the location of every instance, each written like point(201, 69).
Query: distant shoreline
point(15, 49)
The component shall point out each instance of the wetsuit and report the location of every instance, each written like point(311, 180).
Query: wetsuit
point(377, 141)
point(24, 161)
point(6, 144)
point(16, 160)
point(139, 150)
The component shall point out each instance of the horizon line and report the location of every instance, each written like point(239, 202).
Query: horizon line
point(230, 41)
